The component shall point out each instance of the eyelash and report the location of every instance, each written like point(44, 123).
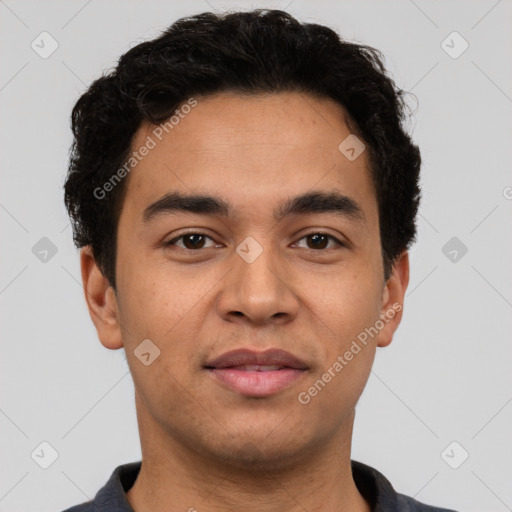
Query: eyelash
point(188, 233)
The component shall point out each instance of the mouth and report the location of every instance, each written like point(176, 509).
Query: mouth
point(256, 374)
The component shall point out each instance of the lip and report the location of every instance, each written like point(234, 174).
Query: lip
point(256, 374)
point(247, 356)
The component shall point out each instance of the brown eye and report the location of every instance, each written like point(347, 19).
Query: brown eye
point(190, 241)
point(319, 241)
point(193, 241)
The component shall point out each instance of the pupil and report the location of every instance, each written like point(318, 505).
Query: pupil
point(193, 237)
point(316, 237)
point(194, 240)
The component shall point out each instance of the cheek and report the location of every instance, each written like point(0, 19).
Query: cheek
point(347, 355)
point(347, 305)
point(157, 308)
point(347, 310)
point(168, 309)
point(156, 300)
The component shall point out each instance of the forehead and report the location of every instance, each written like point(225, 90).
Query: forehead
point(232, 119)
point(250, 146)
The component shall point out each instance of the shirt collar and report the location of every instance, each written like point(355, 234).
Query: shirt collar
point(374, 487)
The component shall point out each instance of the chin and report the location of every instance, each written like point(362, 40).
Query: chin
point(259, 451)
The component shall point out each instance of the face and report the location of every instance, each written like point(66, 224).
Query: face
point(251, 268)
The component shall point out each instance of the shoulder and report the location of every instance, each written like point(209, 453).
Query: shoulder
point(408, 504)
point(379, 492)
point(83, 507)
point(112, 496)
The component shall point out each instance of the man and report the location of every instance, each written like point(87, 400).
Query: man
point(244, 195)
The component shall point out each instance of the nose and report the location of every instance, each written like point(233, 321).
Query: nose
point(258, 292)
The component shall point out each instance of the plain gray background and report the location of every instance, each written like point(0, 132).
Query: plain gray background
point(446, 376)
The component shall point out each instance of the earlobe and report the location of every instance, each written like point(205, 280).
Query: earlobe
point(393, 300)
point(101, 301)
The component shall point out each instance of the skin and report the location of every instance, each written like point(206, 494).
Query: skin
point(205, 446)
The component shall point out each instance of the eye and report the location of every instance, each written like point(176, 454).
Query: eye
point(321, 240)
point(194, 241)
point(191, 241)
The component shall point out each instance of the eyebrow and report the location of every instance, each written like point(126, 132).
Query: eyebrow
point(308, 203)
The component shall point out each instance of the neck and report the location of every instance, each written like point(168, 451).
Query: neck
point(175, 477)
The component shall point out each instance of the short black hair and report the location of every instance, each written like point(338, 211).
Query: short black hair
point(260, 51)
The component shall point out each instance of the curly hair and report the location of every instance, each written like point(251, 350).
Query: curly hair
point(260, 51)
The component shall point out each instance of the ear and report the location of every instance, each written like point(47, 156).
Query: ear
point(393, 299)
point(101, 301)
